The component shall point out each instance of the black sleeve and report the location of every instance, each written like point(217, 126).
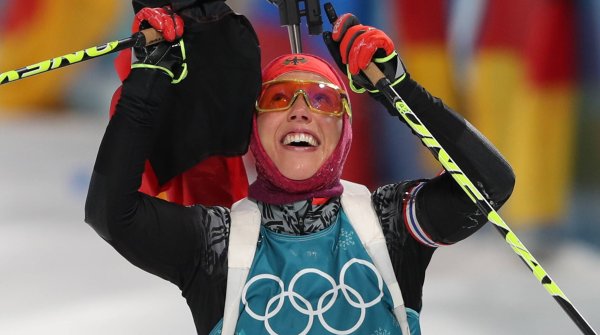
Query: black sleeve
point(163, 238)
point(418, 216)
point(443, 209)
point(409, 257)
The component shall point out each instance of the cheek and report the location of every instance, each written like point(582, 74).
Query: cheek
point(266, 125)
point(332, 129)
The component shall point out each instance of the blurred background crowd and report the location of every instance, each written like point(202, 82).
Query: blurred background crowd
point(526, 73)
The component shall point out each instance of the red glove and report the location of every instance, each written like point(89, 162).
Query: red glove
point(169, 24)
point(359, 42)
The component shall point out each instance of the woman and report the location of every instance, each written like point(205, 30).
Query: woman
point(310, 272)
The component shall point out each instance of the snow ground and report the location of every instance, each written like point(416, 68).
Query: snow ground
point(58, 277)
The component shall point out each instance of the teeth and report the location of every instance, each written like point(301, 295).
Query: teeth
point(299, 138)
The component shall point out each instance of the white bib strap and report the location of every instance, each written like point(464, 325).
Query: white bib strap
point(356, 202)
point(243, 236)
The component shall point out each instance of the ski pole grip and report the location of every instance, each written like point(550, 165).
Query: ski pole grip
point(373, 73)
point(152, 36)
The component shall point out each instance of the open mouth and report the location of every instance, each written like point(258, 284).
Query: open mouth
point(300, 140)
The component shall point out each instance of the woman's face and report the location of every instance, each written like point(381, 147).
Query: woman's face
point(297, 140)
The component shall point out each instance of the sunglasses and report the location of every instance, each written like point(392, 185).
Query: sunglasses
point(320, 97)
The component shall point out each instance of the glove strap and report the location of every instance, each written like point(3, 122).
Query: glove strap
point(184, 71)
point(170, 73)
point(380, 60)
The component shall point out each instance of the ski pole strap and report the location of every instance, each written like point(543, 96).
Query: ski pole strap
point(175, 78)
point(413, 121)
point(142, 38)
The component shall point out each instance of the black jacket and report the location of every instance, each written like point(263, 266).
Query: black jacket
point(188, 245)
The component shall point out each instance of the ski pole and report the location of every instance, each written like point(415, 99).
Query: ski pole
point(384, 85)
point(142, 38)
point(378, 79)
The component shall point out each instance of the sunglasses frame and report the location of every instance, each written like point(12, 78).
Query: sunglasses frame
point(345, 105)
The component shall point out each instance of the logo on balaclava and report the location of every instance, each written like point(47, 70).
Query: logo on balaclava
point(294, 61)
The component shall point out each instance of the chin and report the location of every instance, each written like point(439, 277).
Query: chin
point(297, 176)
point(298, 173)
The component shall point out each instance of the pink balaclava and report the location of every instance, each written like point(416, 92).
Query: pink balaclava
point(271, 186)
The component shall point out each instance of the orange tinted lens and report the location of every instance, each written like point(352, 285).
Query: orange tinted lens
point(276, 95)
point(279, 95)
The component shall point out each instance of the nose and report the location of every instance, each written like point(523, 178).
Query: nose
point(299, 111)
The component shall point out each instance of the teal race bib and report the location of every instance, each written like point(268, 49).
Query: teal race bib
point(322, 283)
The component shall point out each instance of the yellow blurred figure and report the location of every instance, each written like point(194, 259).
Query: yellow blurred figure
point(520, 92)
point(522, 97)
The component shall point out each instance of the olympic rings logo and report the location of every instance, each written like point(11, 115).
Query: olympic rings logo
point(302, 305)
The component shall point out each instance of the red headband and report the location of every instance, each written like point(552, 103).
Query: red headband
point(301, 62)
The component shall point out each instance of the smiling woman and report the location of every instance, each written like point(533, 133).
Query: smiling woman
point(298, 142)
point(302, 235)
